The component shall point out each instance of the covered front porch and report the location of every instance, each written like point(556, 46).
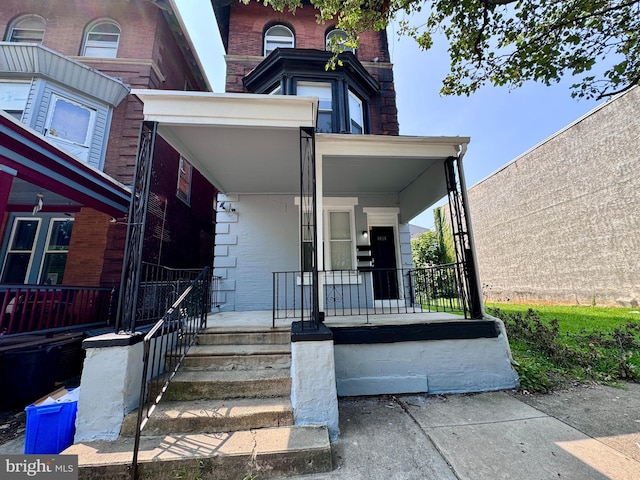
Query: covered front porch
point(311, 224)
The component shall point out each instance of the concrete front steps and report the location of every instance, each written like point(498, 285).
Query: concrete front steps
point(226, 415)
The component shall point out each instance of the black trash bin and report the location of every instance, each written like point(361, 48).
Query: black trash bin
point(26, 375)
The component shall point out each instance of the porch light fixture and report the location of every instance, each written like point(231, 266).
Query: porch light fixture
point(365, 234)
point(39, 203)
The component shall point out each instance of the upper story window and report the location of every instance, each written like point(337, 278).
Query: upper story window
point(101, 39)
point(278, 36)
point(27, 29)
point(356, 114)
point(325, 104)
point(13, 97)
point(185, 175)
point(70, 125)
point(338, 38)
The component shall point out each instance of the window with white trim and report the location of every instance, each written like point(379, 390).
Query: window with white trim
point(13, 97)
point(185, 176)
point(321, 90)
point(356, 114)
point(340, 240)
point(70, 125)
point(101, 40)
point(56, 251)
point(27, 29)
point(22, 244)
point(278, 36)
point(338, 38)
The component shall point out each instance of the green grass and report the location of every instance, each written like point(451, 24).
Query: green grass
point(554, 345)
point(576, 318)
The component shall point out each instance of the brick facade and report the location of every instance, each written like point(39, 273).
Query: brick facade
point(148, 57)
point(560, 223)
point(247, 24)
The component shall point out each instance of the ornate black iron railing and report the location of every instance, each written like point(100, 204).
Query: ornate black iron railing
point(165, 347)
point(159, 288)
point(372, 292)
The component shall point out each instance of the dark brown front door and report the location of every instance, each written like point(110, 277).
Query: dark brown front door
point(383, 251)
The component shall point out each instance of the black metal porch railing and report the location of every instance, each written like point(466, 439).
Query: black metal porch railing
point(34, 308)
point(160, 286)
point(165, 347)
point(373, 292)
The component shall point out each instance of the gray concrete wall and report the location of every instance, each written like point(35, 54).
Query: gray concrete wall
point(443, 366)
point(561, 223)
point(259, 238)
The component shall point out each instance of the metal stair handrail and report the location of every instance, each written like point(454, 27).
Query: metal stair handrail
point(165, 347)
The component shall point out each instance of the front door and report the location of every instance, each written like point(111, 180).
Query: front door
point(383, 251)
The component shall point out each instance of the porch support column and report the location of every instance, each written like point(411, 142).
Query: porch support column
point(6, 179)
point(136, 220)
point(110, 385)
point(477, 306)
point(314, 394)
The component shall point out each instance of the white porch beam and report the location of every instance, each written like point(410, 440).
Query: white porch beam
point(241, 109)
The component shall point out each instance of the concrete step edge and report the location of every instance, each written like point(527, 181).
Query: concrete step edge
point(283, 450)
point(209, 416)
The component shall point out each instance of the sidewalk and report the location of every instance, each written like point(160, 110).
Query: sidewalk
point(582, 433)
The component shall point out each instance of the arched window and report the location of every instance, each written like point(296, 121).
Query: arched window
point(27, 29)
point(101, 39)
point(339, 37)
point(278, 36)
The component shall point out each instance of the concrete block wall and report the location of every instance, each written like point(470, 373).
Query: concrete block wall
point(560, 223)
point(258, 238)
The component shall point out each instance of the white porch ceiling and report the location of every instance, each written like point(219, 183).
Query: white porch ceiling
point(251, 144)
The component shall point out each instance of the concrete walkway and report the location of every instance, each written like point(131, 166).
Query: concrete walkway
point(582, 433)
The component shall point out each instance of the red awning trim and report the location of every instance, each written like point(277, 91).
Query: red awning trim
point(39, 162)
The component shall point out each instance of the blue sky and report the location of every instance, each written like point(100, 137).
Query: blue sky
point(502, 124)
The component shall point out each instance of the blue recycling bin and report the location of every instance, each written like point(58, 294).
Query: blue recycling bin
point(50, 428)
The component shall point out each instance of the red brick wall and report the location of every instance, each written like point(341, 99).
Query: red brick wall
point(145, 37)
point(97, 247)
point(247, 24)
point(86, 248)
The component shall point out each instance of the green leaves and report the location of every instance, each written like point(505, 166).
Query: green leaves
point(508, 42)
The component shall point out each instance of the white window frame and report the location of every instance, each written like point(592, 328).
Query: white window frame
point(271, 42)
point(325, 105)
point(335, 204)
point(46, 249)
point(37, 33)
point(355, 100)
point(31, 252)
point(84, 147)
point(343, 35)
point(101, 48)
point(14, 97)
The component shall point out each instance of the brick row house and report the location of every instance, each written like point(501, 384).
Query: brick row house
point(67, 68)
point(69, 134)
point(317, 189)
